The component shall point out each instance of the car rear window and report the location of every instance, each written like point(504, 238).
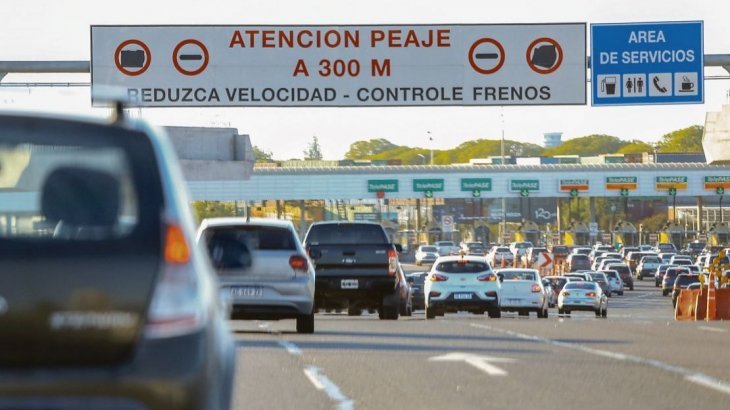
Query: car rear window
point(557, 282)
point(346, 234)
point(67, 181)
point(418, 278)
point(518, 275)
point(611, 274)
point(684, 279)
point(502, 250)
point(622, 270)
point(255, 237)
point(464, 266)
point(651, 259)
point(578, 257)
point(580, 285)
point(428, 249)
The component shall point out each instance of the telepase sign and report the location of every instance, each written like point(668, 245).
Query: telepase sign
point(332, 66)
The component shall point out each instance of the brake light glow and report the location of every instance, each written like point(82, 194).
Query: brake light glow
point(298, 263)
point(565, 293)
point(434, 294)
point(439, 278)
point(491, 294)
point(487, 278)
point(536, 288)
point(176, 247)
point(591, 294)
point(392, 262)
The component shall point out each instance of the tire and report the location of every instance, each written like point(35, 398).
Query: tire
point(639, 277)
point(409, 311)
point(354, 311)
point(665, 292)
point(546, 314)
point(523, 313)
point(631, 288)
point(430, 313)
point(567, 312)
point(561, 311)
point(495, 314)
point(305, 324)
point(598, 312)
point(604, 314)
point(388, 313)
point(621, 293)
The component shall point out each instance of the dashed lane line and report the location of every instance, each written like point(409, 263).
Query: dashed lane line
point(689, 375)
point(290, 347)
point(712, 329)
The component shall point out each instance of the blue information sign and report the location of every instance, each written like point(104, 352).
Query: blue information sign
point(647, 63)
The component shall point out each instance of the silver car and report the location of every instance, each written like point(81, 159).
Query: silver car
point(582, 296)
point(614, 280)
point(270, 277)
point(426, 254)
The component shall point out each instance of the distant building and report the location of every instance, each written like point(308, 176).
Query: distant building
point(553, 139)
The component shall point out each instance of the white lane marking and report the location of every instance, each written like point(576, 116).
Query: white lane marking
point(712, 329)
point(689, 375)
point(480, 362)
point(323, 383)
point(290, 347)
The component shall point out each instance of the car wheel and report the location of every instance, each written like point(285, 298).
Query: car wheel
point(598, 312)
point(631, 287)
point(561, 311)
point(354, 311)
point(409, 311)
point(605, 312)
point(523, 313)
point(388, 313)
point(639, 277)
point(305, 323)
point(665, 292)
point(621, 293)
point(430, 313)
point(495, 314)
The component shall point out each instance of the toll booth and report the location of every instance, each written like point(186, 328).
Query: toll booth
point(719, 234)
point(481, 233)
point(528, 231)
point(625, 234)
point(577, 234)
point(672, 232)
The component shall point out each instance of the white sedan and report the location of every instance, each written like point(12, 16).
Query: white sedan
point(582, 296)
point(461, 283)
point(522, 292)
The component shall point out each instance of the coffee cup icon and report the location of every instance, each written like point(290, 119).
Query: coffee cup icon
point(608, 85)
point(687, 85)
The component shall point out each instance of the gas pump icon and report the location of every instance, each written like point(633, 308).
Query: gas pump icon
point(608, 85)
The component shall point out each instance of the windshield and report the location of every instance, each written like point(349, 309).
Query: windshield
point(517, 275)
point(463, 266)
point(346, 234)
point(580, 285)
point(428, 249)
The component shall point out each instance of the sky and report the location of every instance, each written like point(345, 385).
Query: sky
point(59, 30)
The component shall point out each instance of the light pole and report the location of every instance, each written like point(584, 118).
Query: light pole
point(656, 147)
point(430, 144)
point(423, 158)
point(504, 203)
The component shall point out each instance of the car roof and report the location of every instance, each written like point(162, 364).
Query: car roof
point(242, 221)
point(517, 270)
point(473, 258)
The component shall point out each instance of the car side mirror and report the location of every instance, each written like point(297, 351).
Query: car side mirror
point(398, 248)
point(315, 254)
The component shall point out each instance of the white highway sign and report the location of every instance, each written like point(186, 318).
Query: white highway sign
point(334, 66)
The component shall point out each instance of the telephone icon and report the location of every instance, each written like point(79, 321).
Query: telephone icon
point(658, 85)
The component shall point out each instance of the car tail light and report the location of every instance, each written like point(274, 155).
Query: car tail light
point(176, 247)
point(565, 293)
point(491, 294)
point(439, 278)
point(536, 288)
point(298, 263)
point(487, 278)
point(176, 308)
point(434, 294)
point(392, 262)
point(591, 294)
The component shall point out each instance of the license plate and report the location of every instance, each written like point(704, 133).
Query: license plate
point(349, 284)
point(462, 295)
point(514, 301)
point(247, 291)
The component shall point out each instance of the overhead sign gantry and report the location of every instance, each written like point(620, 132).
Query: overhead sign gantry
point(333, 66)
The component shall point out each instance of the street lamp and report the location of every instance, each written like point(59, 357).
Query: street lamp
point(656, 147)
point(430, 144)
point(423, 158)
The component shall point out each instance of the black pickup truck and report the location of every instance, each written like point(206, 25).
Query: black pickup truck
point(356, 267)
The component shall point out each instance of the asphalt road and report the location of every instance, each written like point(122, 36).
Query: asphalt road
point(637, 358)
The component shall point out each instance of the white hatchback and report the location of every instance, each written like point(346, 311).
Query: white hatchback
point(522, 292)
point(582, 296)
point(462, 283)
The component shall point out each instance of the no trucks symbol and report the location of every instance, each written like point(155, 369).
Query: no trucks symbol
point(544, 55)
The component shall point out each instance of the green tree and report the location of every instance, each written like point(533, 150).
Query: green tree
point(635, 147)
point(685, 140)
point(212, 209)
point(313, 151)
point(588, 146)
point(365, 149)
point(261, 155)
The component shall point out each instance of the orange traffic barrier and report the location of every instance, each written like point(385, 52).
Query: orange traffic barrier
point(686, 302)
point(722, 304)
point(701, 304)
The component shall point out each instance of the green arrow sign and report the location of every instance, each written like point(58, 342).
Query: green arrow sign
point(720, 190)
point(476, 193)
point(573, 193)
point(525, 193)
point(423, 185)
point(672, 191)
point(624, 192)
point(428, 194)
